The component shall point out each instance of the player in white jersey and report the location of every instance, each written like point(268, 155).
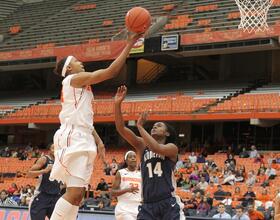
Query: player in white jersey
point(75, 147)
point(127, 188)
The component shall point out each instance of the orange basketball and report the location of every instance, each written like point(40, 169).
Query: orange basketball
point(138, 20)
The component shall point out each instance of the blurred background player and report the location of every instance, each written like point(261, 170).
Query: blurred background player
point(127, 187)
point(48, 192)
point(75, 147)
point(159, 155)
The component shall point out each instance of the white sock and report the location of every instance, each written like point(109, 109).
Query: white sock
point(62, 210)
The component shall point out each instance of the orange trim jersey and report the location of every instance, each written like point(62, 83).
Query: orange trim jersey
point(76, 105)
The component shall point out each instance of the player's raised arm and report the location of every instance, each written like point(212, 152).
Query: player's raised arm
point(126, 133)
point(88, 78)
point(157, 146)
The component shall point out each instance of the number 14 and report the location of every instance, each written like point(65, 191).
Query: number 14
point(157, 170)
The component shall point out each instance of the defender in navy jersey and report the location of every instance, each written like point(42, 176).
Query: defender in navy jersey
point(47, 192)
point(159, 156)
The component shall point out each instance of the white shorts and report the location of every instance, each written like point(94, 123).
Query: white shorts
point(125, 216)
point(127, 211)
point(75, 151)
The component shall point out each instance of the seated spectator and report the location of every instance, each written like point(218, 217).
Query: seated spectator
point(221, 212)
point(202, 184)
point(240, 215)
point(187, 185)
point(36, 153)
point(24, 156)
point(251, 178)
point(214, 178)
point(114, 167)
point(16, 196)
point(263, 179)
point(200, 159)
point(13, 188)
point(220, 194)
point(229, 151)
point(190, 204)
point(196, 189)
point(14, 154)
point(188, 166)
point(230, 159)
point(270, 172)
point(244, 153)
point(6, 152)
point(229, 179)
point(193, 158)
point(264, 196)
point(107, 169)
point(180, 180)
point(236, 196)
point(199, 195)
point(238, 149)
point(203, 207)
point(253, 152)
point(104, 201)
point(239, 176)
point(249, 197)
point(211, 188)
point(180, 164)
point(262, 167)
point(102, 185)
point(211, 165)
point(194, 178)
point(254, 214)
point(5, 200)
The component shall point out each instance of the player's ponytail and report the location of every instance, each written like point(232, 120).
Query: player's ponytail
point(172, 138)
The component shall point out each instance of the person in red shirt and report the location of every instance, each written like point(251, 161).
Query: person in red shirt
point(254, 214)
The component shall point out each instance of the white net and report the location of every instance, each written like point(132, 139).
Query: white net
point(253, 14)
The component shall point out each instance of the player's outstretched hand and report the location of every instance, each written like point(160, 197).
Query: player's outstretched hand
point(121, 94)
point(142, 119)
point(133, 37)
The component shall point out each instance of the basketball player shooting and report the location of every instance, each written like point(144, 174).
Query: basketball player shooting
point(75, 147)
point(159, 155)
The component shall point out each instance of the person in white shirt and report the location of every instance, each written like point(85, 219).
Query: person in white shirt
point(222, 214)
point(240, 215)
point(193, 157)
point(127, 188)
point(75, 146)
point(202, 184)
point(270, 172)
point(253, 152)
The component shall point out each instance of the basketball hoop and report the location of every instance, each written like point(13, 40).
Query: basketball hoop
point(253, 14)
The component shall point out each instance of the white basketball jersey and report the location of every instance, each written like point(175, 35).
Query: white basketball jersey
point(129, 202)
point(76, 105)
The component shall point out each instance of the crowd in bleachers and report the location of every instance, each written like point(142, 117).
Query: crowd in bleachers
point(232, 182)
